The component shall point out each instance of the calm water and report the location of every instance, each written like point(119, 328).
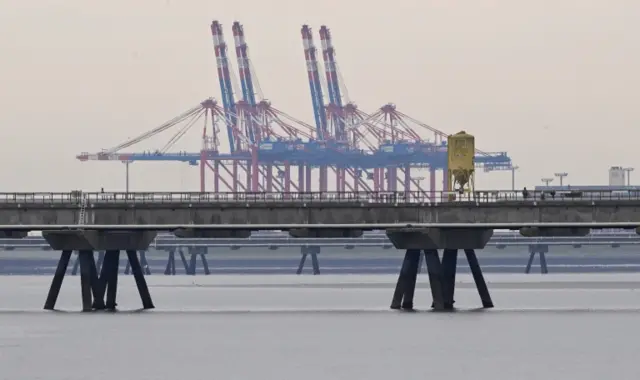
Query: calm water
point(324, 327)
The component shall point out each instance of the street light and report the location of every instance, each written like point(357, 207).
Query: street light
point(561, 176)
point(628, 175)
point(126, 175)
point(547, 181)
point(513, 177)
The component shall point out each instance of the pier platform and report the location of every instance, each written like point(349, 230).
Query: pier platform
point(312, 208)
point(436, 229)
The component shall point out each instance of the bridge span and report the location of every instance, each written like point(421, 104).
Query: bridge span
point(114, 222)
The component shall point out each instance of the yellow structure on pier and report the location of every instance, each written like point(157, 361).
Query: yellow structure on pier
point(461, 150)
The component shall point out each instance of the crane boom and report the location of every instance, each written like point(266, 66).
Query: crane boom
point(314, 82)
point(226, 88)
point(333, 84)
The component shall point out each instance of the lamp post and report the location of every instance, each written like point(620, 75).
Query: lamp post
point(513, 177)
point(126, 173)
point(547, 181)
point(418, 182)
point(126, 176)
point(561, 176)
point(628, 175)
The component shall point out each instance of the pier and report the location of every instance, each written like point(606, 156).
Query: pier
point(193, 252)
point(313, 208)
point(414, 222)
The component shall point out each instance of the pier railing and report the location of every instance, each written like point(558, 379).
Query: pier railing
point(381, 197)
point(498, 239)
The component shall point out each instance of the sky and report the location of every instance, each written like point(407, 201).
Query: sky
point(553, 83)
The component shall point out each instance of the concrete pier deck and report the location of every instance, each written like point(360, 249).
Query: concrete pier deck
point(314, 208)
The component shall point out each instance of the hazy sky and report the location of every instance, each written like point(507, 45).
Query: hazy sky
point(554, 83)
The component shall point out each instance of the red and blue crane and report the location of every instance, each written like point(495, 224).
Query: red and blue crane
point(266, 146)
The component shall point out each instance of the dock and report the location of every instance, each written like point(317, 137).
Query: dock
point(414, 222)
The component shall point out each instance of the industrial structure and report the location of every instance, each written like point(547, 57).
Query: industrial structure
point(620, 176)
point(130, 222)
point(270, 150)
point(616, 176)
point(461, 149)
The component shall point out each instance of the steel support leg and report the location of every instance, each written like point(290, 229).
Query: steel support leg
point(193, 262)
point(532, 255)
point(481, 285)
point(406, 285)
point(144, 262)
point(76, 265)
point(56, 283)
point(205, 264)
point(184, 261)
point(98, 295)
point(420, 263)
point(112, 264)
point(543, 262)
point(410, 281)
point(141, 283)
point(171, 263)
point(108, 280)
point(94, 287)
point(100, 260)
point(303, 258)
point(86, 262)
point(434, 268)
point(449, 264)
point(315, 264)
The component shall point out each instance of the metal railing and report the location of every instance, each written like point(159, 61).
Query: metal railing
point(380, 237)
point(335, 245)
point(332, 243)
point(381, 197)
point(497, 239)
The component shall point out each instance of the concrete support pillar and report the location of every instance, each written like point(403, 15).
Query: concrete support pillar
point(94, 287)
